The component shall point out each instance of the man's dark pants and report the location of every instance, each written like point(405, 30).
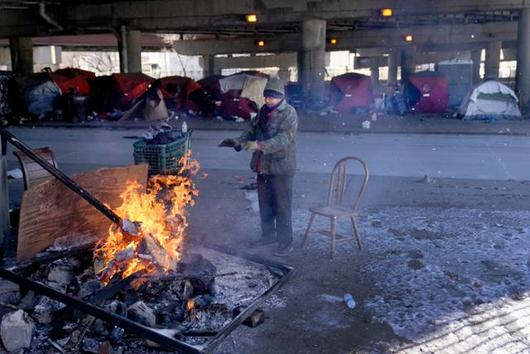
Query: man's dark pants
point(275, 195)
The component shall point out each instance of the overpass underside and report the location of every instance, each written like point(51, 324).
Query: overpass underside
point(298, 33)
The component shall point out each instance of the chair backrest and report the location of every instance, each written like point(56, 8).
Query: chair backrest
point(32, 172)
point(338, 185)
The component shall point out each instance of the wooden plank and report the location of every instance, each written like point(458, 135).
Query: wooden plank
point(50, 211)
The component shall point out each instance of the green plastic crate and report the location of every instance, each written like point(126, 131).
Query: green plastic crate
point(162, 158)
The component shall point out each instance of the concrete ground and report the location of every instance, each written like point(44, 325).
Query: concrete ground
point(340, 123)
point(446, 263)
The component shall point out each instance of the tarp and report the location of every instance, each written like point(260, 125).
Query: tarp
point(41, 97)
point(71, 79)
point(253, 89)
point(426, 92)
point(490, 99)
point(7, 94)
point(150, 107)
point(241, 94)
point(350, 91)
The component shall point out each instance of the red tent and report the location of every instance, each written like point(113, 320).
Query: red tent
point(350, 91)
point(71, 79)
point(427, 92)
point(233, 105)
point(117, 91)
point(131, 86)
point(211, 85)
point(183, 92)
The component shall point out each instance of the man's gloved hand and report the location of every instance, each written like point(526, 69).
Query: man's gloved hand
point(230, 143)
point(251, 146)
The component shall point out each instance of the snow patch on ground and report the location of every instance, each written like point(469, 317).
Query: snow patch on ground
point(447, 279)
point(252, 197)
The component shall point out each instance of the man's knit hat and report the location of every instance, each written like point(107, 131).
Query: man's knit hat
point(274, 88)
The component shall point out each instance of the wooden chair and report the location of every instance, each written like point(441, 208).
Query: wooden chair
point(32, 172)
point(336, 208)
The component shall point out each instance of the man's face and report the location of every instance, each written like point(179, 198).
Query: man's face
point(271, 101)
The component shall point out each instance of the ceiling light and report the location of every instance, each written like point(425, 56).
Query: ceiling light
point(387, 12)
point(251, 18)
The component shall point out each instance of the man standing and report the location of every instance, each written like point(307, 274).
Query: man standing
point(271, 139)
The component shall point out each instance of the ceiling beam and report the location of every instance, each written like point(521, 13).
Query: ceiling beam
point(427, 36)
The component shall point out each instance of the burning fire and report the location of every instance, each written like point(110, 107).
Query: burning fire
point(162, 214)
point(190, 305)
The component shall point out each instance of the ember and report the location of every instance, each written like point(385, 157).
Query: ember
point(162, 214)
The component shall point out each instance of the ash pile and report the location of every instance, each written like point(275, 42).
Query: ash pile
point(191, 304)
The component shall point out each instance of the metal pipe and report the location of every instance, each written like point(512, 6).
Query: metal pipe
point(98, 312)
point(282, 271)
point(5, 226)
point(67, 181)
point(47, 18)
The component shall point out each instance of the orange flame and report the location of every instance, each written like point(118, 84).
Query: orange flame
point(162, 214)
point(190, 305)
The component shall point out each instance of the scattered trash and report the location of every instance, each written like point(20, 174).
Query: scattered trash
point(250, 186)
point(350, 302)
point(14, 173)
point(366, 124)
point(254, 320)
point(426, 179)
point(184, 127)
point(330, 298)
point(374, 117)
point(16, 330)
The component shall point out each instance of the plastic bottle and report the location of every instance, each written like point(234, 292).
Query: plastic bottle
point(350, 302)
point(184, 128)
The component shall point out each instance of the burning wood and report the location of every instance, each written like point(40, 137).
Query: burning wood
point(188, 306)
point(161, 213)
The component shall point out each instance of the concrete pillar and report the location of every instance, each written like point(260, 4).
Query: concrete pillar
point(134, 51)
point(393, 63)
point(493, 59)
point(5, 227)
point(408, 61)
point(312, 57)
point(523, 58)
point(374, 72)
point(130, 50)
point(476, 57)
point(208, 65)
point(284, 75)
point(21, 55)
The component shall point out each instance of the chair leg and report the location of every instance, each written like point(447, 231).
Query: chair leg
point(306, 235)
point(356, 233)
point(333, 222)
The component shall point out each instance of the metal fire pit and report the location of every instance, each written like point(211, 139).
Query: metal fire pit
point(279, 270)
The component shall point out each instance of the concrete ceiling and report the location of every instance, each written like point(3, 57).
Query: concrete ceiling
point(226, 17)
point(219, 27)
